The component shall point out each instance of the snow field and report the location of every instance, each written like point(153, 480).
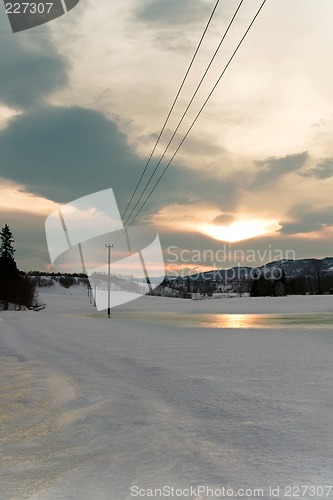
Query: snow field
point(94, 406)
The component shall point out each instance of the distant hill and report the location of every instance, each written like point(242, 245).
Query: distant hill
point(292, 268)
point(281, 277)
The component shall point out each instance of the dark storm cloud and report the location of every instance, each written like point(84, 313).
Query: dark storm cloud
point(172, 11)
point(62, 153)
point(65, 153)
point(323, 170)
point(30, 67)
point(307, 220)
point(273, 168)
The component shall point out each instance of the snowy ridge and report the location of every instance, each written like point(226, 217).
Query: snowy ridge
point(291, 268)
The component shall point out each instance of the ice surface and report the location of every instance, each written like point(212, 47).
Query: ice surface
point(91, 406)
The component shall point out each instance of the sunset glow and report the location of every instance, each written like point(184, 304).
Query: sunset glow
point(14, 197)
point(241, 230)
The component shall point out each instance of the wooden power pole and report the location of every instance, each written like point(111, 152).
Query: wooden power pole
point(109, 246)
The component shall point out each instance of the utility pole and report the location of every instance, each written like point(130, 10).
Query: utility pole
point(109, 246)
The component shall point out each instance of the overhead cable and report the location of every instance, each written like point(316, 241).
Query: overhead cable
point(172, 107)
point(198, 114)
point(186, 110)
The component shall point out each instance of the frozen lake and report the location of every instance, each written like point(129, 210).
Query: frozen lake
point(222, 321)
point(167, 393)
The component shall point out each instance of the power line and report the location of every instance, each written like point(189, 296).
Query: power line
point(200, 111)
point(187, 108)
point(172, 107)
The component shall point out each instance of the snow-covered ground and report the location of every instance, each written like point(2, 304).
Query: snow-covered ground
point(162, 395)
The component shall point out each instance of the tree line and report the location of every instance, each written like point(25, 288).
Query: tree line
point(17, 290)
point(314, 278)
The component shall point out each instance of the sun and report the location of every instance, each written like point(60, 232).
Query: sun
point(241, 230)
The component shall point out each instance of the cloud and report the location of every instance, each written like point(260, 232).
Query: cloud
point(323, 170)
point(320, 123)
point(172, 11)
point(307, 221)
point(64, 153)
point(273, 168)
point(6, 114)
point(14, 198)
point(224, 219)
point(207, 219)
point(30, 67)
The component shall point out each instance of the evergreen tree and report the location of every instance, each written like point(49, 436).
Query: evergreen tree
point(6, 246)
point(17, 291)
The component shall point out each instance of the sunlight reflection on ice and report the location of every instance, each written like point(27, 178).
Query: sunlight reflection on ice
point(245, 321)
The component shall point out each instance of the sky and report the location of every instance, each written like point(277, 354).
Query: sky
point(83, 99)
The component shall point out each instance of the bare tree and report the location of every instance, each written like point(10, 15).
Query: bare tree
point(315, 271)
